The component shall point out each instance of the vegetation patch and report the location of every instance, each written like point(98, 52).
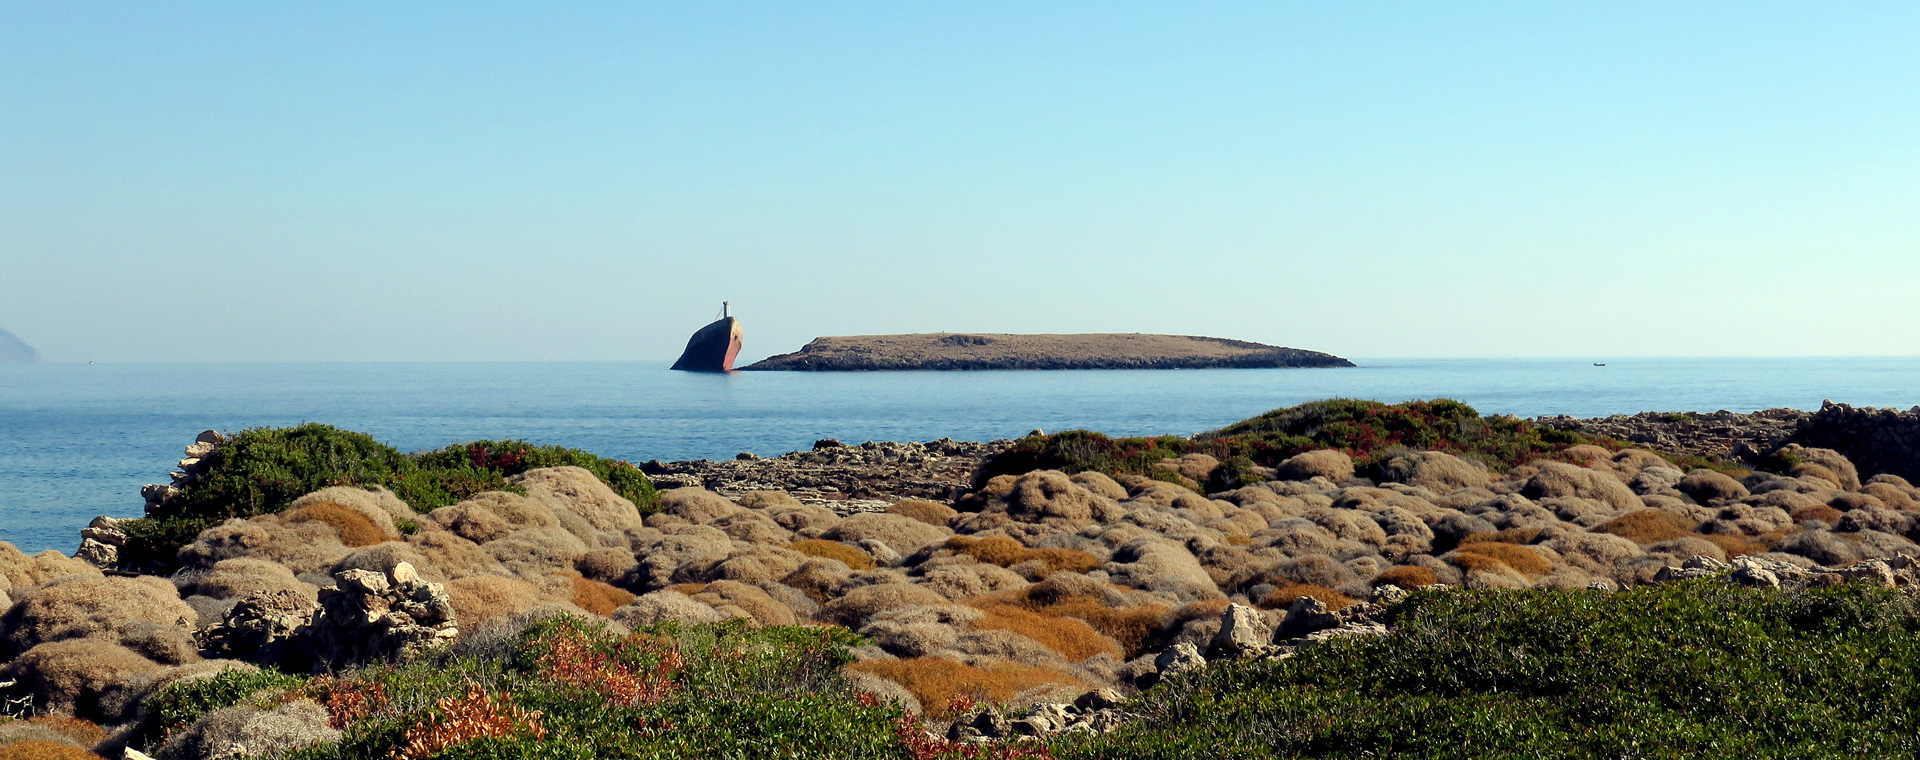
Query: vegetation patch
point(263, 470)
point(1369, 431)
point(1691, 669)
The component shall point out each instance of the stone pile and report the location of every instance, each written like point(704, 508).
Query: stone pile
point(1714, 435)
point(846, 478)
point(369, 616)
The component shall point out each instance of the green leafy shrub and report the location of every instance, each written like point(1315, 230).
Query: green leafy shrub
point(178, 705)
point(263, 470)
point(1370, 431)
point(1694, 669)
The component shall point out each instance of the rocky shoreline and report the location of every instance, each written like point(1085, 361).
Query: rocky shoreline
point(996, 351)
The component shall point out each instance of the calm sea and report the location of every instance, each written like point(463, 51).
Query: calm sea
point(79, 440)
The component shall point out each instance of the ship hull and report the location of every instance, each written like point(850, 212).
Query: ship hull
point(712, 348)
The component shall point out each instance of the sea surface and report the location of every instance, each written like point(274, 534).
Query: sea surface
point(79, 440)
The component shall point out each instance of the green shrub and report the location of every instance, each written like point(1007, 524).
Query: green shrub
point(263, 470)
point(1370, 431)
point(179, 705)
point(1695, 669)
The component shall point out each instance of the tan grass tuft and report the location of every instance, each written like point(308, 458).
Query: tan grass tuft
point(1820, 512)
point(1646, 526)
point(40, 749)
point(596, 597)
point(853, 557)
point(1283, 597)
point(356, 530)
point(937, 683)
point(1406, 576)
point(1073, 639)
point(927, 512)
point(1521, 558)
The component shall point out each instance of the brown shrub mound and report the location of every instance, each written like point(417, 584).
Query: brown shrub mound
point(1647, 526)
point(1735, 545)
point(1326, 463)
point(1072, 638)
point(931, 513)
point(1436, 471)
point(666, 606)
point(904, 535)
point(1562, 479)
point(486, 598)
point(355, 529)
point(39, 749)
point(853, 557)
point(576, 490)
point(596, 597)
point(86, 678)
point(1820, 512)
point(84, 732)
point(696, 504)
point(26, 572)
point(936, 683)
point(1006, 552)
point(1407, 577)
point(853, 609)
point(605, 565)
point(1283, 597)
point(149, 617)
point(240, 577)
point(735, 599)
point(1135, 629)
point(1521, 558)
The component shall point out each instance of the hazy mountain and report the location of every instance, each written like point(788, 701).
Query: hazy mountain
point(13, 349)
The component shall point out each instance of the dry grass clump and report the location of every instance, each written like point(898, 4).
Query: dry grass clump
point(241, 576)
point(1736, 545)
point(1820, 512)
point(85, 678)
point(904, 535)
point(1508, 536)
point(1068, 595)
point(1514, 556)
point(146, 616)
point(928, 512)
point(484, 598)
point(596, 597)
point(857, 605)
point(1073, 639)
point(1007, 552)
point(936, 683)
point(853, 557)
point(40, 749)
point(84, 732)
point(25, 571)
point(1283, 597)
point(355, 529)
point(1406, 576)
point(1647, 526)
point(735, 599)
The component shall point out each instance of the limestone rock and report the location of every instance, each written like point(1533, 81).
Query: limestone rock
point(1242, 632)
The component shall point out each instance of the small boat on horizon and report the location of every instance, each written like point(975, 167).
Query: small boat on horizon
point(713, 347)
point(1599, 364)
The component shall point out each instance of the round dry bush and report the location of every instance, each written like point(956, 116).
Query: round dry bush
point(931, 513)
point(146, 616)
point(1706, 485)
point(451, 556)
point(576, 490)
point(41, 749)
point(1348, 524)
point(1820, 512)
point(1318, 570)
point(753, 528)
point(596, 597)
point(857, 606)
point(86, 678)
point(1631, 462)
point(23, 572)
point(606, 564)
point(383, 558)
point(754, 565)
point(1450, 527)
point(1647, 526)
point(1890, 495)
point(1163, 568)
point(1406, 576)
point(294, 725)
point(1296, 537)
point(1687, 547)
point(1099, 484)
point(1878, 545)
point(1875, 518)
point(818, 578)
point(805, 609)
point(965, 581)
point(756, 604)
point(936, 683)
point(85, 733)
point(1597, 553)
point(904, 535)
point(917, 636)
point(1521, 558)
point(303, 547)
point(805, 520)
point(17, 731)
point(1434, 470)
point(663, 607)
point(372, 500)
point(1283, 597)
point(354, 526)
point(473, 521)
point(851, 556)
point(480, 599)
point(697, 505)
point(537, 553)
point(1559, 479)
point(1049, 497)
point(1326, 463)
point(767, 499)
point(1842, 470)
point(242, 576)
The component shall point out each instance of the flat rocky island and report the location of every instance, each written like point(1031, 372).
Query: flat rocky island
point(977, 351)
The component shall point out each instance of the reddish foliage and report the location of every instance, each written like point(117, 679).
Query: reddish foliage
point(572, 660)
point(349, 702)
point(473, 715)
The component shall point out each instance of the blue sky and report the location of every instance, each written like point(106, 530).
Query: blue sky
point(479, 181)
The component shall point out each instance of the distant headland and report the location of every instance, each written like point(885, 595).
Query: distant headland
point(16, 351)
point(988, 351)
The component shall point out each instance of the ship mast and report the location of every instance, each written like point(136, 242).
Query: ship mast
point(724, 310)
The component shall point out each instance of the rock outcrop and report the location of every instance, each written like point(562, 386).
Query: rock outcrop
point(16, 351)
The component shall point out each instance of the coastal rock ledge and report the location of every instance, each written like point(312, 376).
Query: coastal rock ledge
point(980, 351)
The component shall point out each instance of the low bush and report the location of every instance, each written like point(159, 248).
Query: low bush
point(854, 557)
point(1407, 577)
point(355, 529)
point(263, 470)
point(1072, 638)
point(945, 682)
point(1514, 556)
point(1283, 597)
point(1370, 431)
point(597, 597)
point(1006, 552)
point(177, 705)
point(1647, 526)
point(1688, 669)
point(40, 749)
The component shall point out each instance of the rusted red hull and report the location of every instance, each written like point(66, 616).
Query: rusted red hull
point(712, 348)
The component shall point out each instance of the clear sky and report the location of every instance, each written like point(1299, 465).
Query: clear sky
point(385, 181)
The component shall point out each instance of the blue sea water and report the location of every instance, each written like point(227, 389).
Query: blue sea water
point(79, 440)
